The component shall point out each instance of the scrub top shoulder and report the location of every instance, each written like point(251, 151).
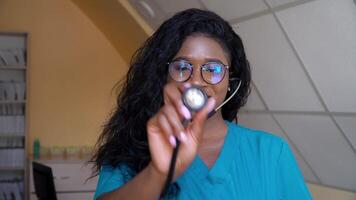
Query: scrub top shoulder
point(252, 164)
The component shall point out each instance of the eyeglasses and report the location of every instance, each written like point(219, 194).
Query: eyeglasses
point(211, 72)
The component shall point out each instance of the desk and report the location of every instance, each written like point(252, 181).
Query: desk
point(69, 179)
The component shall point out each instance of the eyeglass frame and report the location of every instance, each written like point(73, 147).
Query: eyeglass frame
point(201, 72)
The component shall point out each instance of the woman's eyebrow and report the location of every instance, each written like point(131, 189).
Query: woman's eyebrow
point(205, 60)
point(181, 58)
point(214, 60)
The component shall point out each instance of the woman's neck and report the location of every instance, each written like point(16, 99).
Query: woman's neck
point(215, 127)
point(213, 139)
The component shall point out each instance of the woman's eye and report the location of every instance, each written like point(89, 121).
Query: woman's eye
point(217, 70)
point(182, 67)
point(213, 69)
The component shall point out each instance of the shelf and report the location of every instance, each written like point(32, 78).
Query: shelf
point(12, 102)
point(9, 168)
point(11, 135)
point(15, 67)
point(9, 148)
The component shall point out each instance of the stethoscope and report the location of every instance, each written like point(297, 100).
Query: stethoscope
point(194, 98)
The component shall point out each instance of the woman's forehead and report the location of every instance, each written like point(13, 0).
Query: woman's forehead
point(202, 48)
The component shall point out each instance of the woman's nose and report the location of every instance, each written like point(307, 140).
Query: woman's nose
point(196, 78)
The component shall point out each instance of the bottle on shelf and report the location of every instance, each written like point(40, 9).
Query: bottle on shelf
point(36, 149)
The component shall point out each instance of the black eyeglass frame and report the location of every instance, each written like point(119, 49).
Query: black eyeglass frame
point(201, 71)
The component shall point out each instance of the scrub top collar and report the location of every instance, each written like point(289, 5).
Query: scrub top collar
point(219, 172)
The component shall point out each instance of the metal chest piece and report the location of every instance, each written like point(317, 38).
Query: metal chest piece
point(194, 98)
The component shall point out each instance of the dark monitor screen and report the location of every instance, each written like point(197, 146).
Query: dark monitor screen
point(43, 182)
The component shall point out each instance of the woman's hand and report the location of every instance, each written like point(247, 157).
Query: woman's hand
point(166, 125)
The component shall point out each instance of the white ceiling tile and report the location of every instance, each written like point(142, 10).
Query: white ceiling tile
point(259, 121)
point(232, 9)
point(348, 126)
point(323, 33)
point(254, 102)
point(275, 3)
point(266, 122)
point(324, 148)
point(170, 7)
point(150, 11)
point(276, 71)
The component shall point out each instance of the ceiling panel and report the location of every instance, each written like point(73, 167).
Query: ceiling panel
point(276, 71)
point(323, 33)
point(232, 9)
point(254, 102)
point(348, 126)
point(324, 147)
point(170, 7)
point(274, 3)
point(266, 122)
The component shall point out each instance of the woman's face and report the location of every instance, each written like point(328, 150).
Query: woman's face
point(199, 50)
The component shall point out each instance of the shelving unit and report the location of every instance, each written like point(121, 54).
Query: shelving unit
point(12, 102)
point(14, 67)
point(7, 169)
point(13, 107)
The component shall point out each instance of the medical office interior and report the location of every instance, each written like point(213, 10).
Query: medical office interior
point(60, 59)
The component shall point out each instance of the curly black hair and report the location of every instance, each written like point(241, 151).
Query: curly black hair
point(124, 137)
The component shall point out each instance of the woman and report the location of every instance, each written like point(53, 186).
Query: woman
point(217, 159)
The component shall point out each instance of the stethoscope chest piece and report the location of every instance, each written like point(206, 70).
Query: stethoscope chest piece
point(194, 98)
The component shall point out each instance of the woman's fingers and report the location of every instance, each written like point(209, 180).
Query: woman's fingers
point(170, 125)
point(173, 95)
point(197, 125)
point(175, 122)
point(166, 129)
point(175, 112)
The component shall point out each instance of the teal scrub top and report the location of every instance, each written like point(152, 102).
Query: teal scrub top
point(252, 165)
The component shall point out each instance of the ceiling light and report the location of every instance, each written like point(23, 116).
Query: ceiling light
point(148, 8)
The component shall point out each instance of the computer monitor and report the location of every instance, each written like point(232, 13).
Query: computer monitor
point(43, 182)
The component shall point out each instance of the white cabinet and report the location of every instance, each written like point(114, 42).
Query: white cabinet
point(70, 179)
point(69, 196)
